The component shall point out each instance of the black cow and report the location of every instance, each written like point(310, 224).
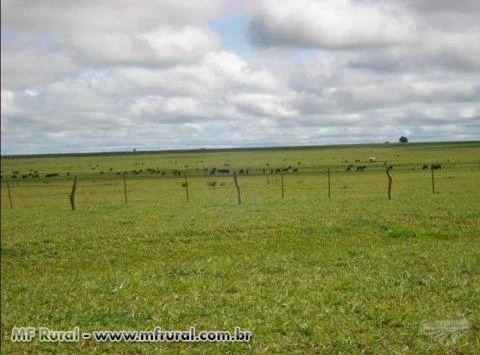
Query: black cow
point(361, 168)
point(424, 167)
point(436, 166)
point(223, 171)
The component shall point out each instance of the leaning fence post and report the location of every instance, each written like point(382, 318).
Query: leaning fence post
point(389, 169)
point(9, 194)
point(238, 188)
point(72, 193)
point(283, 186)
point(125, 186)
point(186, 187)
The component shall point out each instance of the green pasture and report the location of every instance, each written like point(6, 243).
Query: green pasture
point(353, 273)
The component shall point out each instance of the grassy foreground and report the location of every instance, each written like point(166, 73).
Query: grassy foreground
point(307, 274)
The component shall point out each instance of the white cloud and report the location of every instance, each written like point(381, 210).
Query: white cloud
point(330, 24)
point(106, 16)
point(165, 46)
point(263, 105)
point(217, 73)
point(30, 60)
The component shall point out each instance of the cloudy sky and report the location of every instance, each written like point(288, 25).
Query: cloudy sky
point(81, 76)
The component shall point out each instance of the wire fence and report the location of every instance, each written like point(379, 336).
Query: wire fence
point(253, 185)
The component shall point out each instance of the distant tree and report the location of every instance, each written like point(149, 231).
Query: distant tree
point(403, 139)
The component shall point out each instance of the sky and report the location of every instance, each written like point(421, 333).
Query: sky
point(117, 75)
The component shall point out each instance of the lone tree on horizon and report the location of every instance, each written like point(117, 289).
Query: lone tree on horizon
point(403, 139)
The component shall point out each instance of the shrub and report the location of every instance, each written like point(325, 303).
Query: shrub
point(211, 182)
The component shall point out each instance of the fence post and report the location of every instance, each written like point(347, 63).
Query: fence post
point(72, 193)
point(125, 186)
point(328, 182)
point(389, 168)
point(9, 194)
point(186, 187)
point(283, 187)
point(433, 182)
point(238, 188)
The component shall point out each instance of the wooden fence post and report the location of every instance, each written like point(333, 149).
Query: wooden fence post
point(389, 193)
point(125, 186)
point(9, 194)
point(433, 182)
point(72, 194)
point(283, 186)
point(328, 182)
point(186, 187)
point(238, 188)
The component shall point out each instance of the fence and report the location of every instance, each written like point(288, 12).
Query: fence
point(325, 183)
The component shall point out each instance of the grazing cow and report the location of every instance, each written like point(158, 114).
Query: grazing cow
point(241, 172)
point(277, 171)
point(361, 168)
point(424, 167)
point(295, 170)
point(223, 171)
point(436, 166)
point(349, 167)
point(285, 170)
point(372, 159)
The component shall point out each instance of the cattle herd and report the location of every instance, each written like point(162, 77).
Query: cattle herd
point(207, 171)
point(363, 167)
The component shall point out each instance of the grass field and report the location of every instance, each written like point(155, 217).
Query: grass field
point(353, 273)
